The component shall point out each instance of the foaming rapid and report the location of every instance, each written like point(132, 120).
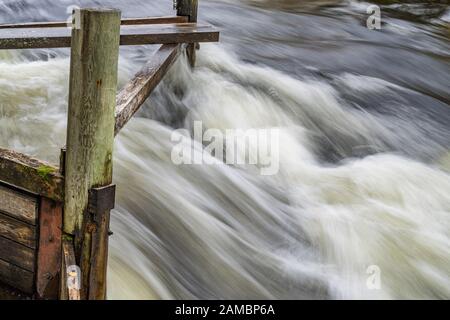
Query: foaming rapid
point(363, 183)
point(311, 231)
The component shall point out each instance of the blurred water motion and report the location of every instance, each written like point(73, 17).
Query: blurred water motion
point(365, 153)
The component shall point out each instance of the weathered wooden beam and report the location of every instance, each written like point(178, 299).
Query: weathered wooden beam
point(90, 130)
point(17, 254)
point(49, 252)
point(32, 38)
point(70, 278)
point(134, 94)
point(17, 231)
point(9, 293)
point(101, 202)
point(189, 8)
point(16, 277)
point(30, 174)
point(154, 20)
point(168, 33)
point(124, 22)
point(18, 205)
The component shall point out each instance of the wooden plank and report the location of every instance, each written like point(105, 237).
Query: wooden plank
point(124, 22)
point(101, 202)
point(134, 94)
point(99, 258)
point(169, 33)
point(154, 20)
point(18, 205)
point(49, 252)
point(17, 254)
point(70, 286)
point(9, 293)
point(30, 174)
point(16, 277)
point(32, 38)
point(17, 231)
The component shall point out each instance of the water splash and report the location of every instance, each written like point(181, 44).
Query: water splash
point(309, 232)
point(364, 173)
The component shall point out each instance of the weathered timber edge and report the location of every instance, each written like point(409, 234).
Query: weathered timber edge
point(189, 8)
point(138, 34)
point(69, 275)
point(19, 205)
point(32, 175)
point(90, 134)
point(124, 22)
point(49, 252)
point(134, 94)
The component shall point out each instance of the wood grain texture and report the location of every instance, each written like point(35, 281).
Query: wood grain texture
point(126, 21)
point(27, 173)
point(154, 20)
point(90, 132)
point(168, 34)
point(189, 8)
point(18, 205)
point(68, 254)
point(17, 231)
point(9, 293)
point(92, 100)
point(99, 260)
point(134, 94)
point(57, 37)
point(49, 252)
point(17, 254)
point(16, 277)
point(101, 202)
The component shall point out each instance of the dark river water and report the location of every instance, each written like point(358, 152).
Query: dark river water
point(364, 158)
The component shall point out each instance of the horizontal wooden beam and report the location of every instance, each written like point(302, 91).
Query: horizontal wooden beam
point(18, 205)
point(125, 22)
point(168, 34)
point(9, 293)
point(30, 174)
point(154, 20)
point(17, 254)
point(57, 37)
point(17, 231)
point(16, 277)
point(134, 94)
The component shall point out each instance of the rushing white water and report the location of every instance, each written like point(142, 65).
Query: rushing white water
point(310, 231)
point(219, 231)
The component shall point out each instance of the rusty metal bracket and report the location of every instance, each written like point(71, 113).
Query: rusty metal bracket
point(101, 199)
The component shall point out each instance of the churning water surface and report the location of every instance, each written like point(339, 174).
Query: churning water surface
point(364, 120)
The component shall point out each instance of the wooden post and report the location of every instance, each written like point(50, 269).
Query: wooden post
point(70, 288)
point(49, 253)
point(90, 129)
point(189, 8)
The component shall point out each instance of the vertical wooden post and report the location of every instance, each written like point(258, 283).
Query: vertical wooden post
point(49, 254)
point(189, 8)
point(90, 129)
point(69, 287)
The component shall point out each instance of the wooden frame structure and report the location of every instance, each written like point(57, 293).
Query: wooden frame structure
point(54, 220)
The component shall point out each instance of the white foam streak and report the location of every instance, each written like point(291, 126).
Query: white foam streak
point(217, 231)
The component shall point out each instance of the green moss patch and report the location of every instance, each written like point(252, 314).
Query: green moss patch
point(45, 171)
